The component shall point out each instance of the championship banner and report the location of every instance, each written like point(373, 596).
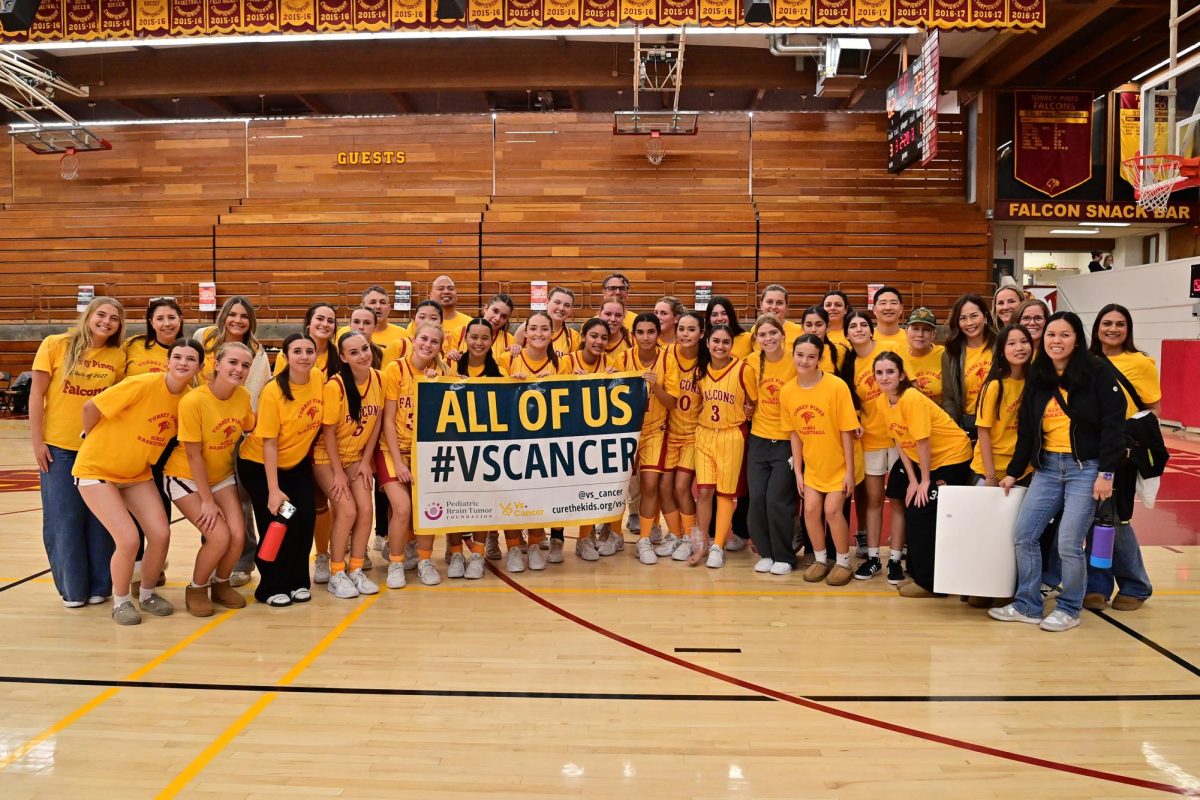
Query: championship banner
point(561, 13)
point(1053, 140)
point(872, 12)
point(834, 12)
point(1129, 122)
point(503, 454)
point(989, 13)
point(796, 13)
point(116, 19)
point(601, 13)
point(951, 13)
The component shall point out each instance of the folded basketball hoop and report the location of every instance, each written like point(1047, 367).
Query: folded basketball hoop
point(68, 165)
point(656, 148)
point(1154, 177)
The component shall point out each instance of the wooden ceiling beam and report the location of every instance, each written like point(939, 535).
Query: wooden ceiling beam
point(963, 72)
point(314, 104)
point(576, 100)
point(225, 104)
point(756, 101)
point(1045, 42)
point(401, 101)
point(139, 107)
point(1094, 50)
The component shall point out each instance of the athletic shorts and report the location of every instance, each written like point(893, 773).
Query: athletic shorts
point(179, 488)
point(652, 450)
point(385, 467)
point(681, 453)
point(719, 455)
point(80, 482)
point(879, 462)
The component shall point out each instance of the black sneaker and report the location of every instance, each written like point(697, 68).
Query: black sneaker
point(860, 545)
point(895, 572)
point(868, 569)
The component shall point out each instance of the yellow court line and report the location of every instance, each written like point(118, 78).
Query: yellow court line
point(215, 747)
point(108, 694)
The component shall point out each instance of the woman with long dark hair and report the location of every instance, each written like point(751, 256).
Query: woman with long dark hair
point(967, 359)
point(721, 311)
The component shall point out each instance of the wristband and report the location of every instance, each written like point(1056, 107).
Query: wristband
point(1108, 476)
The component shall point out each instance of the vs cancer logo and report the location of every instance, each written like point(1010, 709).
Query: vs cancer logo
point(434, 511)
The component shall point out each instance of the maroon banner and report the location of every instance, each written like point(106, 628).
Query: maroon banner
point(116, 18)
point(951, 13)
point(49, 24)
point(678, 12)
point(1027, 13)
point(1053, 140)
point(260, 16)
point(989, 13)
point(912, 12)
point(834, 12)
point(601, 13)
point(523, 13)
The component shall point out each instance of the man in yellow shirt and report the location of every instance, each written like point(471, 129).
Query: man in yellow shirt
point(616, 287)
point(445, 294)
point(386, 333)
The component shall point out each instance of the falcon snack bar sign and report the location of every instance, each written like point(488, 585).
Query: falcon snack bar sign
point(87, 20)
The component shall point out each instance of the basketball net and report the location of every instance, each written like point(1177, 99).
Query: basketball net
point(1154, 178)
point(656, 149)
point(68, 165)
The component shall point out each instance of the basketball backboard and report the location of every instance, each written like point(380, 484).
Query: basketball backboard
point(665, 122)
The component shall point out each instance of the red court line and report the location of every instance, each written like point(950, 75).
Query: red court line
point(22, 511)
point(949, 741)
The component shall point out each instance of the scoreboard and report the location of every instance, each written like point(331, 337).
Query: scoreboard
point(912, 110)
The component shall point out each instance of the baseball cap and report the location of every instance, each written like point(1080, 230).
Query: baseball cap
point(922, 316)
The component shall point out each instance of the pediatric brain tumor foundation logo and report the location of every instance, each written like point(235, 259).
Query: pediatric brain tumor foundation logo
point(434, 511)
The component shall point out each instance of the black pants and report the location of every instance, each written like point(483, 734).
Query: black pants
point(289, 570)
point(382, 509)
point(772, 501)
point(156, 472)
point(920, 524)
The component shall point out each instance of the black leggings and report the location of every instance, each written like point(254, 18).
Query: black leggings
point(289, 570)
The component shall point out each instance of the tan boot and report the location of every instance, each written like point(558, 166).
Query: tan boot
point(1094, 601)
point(1123, 602)
point(224, 594)
point(196, 599)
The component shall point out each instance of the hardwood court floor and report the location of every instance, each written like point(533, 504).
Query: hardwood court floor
point(597, 681)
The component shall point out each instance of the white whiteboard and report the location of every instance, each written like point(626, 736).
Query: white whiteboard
point(975, 553)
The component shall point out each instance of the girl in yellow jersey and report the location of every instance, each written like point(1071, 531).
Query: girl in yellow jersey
point(999, 402)
point(427, 312)
point(654, 493)
point(67, 370)
point(934, 452)
point(342, 461)
point(364, 321)
point(320, 323)
point(721, 312)
point(772, 487)
point(728, 390)
point(127, 428)
point(817, 411)
point(612, 312)
point(879, 451)
point(199, 477)
point(837, 305)
point(679, 366)
point(815, 321)
point(147, 352)
point(394, 462)
point(536, 359)
point(590, 358)
point(560, 302)
point(497, 314)
point(668, 310)
point(236, 322)
point(967, 359)
point(274, 467)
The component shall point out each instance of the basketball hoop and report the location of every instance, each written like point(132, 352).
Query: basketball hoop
point(68, 165)
point(1153, 178)
point(656, 149)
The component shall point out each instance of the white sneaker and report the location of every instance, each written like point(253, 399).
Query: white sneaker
point(763, 565)
point(614, 544)
point(545, 545)
point(537, 560)
point(96, 599)
point(341, 586)
point(555, 554)
point(1009, 613)
point(320, 569)
point(395, 576)
point(716, 558)
point(239, 578)
point(367, 562)
point(474, 570)
point(667, 546)
point(516, 562)
point(656, 535)
point(379, 544)
point(735, 543)
point(585, 548)
point(410, 555)
point(491, 548)
point(1059, 621)
point(645, 552)
point(682, 551)
point(457, 566)
point(74, 603)
point(634, 524)
point(427, 571)
point(781, 568)
point(364, 584)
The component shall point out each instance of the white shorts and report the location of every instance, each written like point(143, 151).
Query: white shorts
point(96, 482)
point(879, 462)
point(178, 488)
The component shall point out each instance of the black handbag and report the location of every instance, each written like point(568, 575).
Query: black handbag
point(1144, 445)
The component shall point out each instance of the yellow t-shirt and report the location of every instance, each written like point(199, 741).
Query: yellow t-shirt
point(322, 365)
point(976, 365)
point(1140, 370)
point(565, 341)
point(217, 425)
point(926, 372)
point(140, 418)
point(916, 417)
point(574, 363)
point(681, 382)
point(656, 413)
point(771, 380)
point(1056, 426)
point(381, 338)
point(98, 369)
point(896, 342)
point(501, 344)
point(142, 360)
point(451, 326)
point(1000, 419)
point(743, 344)
point(838, 337)
point(521, 364)
point(398, 349)
point(826, 364)
point(351, 434)
point(724, 394)
point(818, 416)
point(294, 423)
point(791, 332)
point(875, 431)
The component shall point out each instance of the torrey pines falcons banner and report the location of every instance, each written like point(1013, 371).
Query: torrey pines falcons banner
point(502, 454)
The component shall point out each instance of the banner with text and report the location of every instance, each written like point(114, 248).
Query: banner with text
point(503, 454)
point(1053, 140)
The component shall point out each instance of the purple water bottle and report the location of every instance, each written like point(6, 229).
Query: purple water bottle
point(1104, 531)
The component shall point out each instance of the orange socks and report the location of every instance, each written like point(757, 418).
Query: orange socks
point(424, 555)
point(646, 524)
point(476, 547)
point(673, 522)
point(336, 566)
point(512, 539)
point(725, 506)
point(356, 563)
point(689, 522)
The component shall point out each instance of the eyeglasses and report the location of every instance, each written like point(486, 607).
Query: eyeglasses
point(617, 287)
point(1029, 320)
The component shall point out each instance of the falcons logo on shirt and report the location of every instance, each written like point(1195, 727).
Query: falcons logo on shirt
point(163, 425)
point(807, 416)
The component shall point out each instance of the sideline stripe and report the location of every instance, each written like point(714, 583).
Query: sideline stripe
point(22, 511)
point(1153, 645)
point(102, 698)
point(215, 747)
point(1070, 769)
point(26, 579)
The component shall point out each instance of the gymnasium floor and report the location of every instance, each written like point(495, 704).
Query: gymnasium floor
point(598, 681)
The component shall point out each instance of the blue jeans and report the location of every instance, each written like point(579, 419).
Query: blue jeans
point(78, 546)
point(1061, 486)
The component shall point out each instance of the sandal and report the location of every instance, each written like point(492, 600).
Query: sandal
point(279, 601)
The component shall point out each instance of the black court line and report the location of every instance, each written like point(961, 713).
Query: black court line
point(723, 698)
point(708, 649)
point(1153, 645)
point(26, 579)
point(1172, 549)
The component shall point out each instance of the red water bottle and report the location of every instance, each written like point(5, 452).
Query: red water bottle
point(275, 532)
